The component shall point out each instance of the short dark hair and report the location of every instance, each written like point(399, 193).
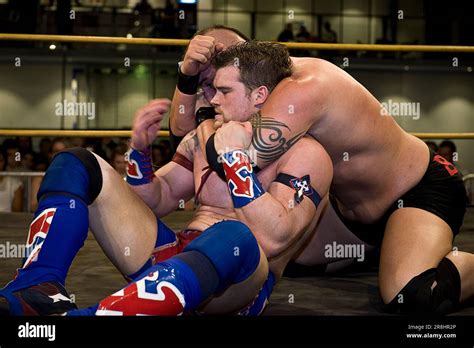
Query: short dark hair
point(450, 144)
point(261, 63)
point(222, 27)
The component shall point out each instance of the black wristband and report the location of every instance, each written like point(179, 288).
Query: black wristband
point(187, 84)
point(213, 158)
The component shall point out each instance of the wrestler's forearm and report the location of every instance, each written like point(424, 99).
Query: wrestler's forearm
point(182, 113)
point(149, 193)
point(275, 226)
point(157, 197)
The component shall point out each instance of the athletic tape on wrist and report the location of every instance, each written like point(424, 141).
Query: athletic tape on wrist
point(243, 183)
point(139, 167)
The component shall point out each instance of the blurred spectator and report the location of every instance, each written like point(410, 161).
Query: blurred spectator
point(143, 8)
point(109, 146)
point(13, 156)
point(45, 146)
point(77, 142)
point(117, 161)
point(28, 160)
point(328, 35)
point(44, 150)
point(41, 164)
point(24, 144)
point(447, 150)
point(57, 145)
point(303, 35)
point(11, 190)
point(287, 34)
point(95, 145)
point(432, 145)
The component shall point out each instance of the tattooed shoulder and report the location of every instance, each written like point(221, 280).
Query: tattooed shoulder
point(268, 138)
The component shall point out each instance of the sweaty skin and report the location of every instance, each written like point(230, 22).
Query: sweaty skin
point(375, 163)
point(291, 221)
point(374, 160)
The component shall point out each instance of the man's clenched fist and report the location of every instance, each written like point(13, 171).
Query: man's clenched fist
point(200, 51)
point(233, 135)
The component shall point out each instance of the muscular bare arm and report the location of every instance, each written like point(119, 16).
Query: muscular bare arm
point(276, 220)
point(196, 62)
point(291, 109)
point(183, 112)
point(172, 184)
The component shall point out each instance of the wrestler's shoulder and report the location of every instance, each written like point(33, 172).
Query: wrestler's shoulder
point(309, 78)
point(307, 151)
point(314, 67)
point(189, 144)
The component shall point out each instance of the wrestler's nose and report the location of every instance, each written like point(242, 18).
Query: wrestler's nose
point(215, 100)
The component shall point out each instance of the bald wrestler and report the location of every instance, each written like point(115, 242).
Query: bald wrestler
point(219, 263)
point(195, 74)
point(388, 190)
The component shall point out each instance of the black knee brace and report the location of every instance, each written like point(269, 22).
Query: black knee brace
point(81, 178)
point(436, 290)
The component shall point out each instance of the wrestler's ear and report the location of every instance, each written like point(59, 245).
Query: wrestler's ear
point(260, 95)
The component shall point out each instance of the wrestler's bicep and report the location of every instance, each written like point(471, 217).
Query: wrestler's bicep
point(290, 111)
point(304, 176)
point(271, 137)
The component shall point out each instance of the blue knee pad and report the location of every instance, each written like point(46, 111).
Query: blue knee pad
point(232, 249)
point(75, 172)
point(261, 300)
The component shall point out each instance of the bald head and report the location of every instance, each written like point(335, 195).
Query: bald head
point(227, 36)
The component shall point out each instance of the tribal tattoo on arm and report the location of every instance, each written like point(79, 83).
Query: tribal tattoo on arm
point(275, 144)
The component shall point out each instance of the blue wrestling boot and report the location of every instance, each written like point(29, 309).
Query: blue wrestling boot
point(58, 231)
point(43, 299)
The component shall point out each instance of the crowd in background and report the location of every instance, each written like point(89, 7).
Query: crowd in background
point(19, 155)
point(328, 35)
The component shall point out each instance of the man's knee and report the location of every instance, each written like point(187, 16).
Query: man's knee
point(232, 248)
point(437, 290)
point(73, 171)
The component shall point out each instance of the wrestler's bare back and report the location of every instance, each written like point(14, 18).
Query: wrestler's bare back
point(374, 160)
